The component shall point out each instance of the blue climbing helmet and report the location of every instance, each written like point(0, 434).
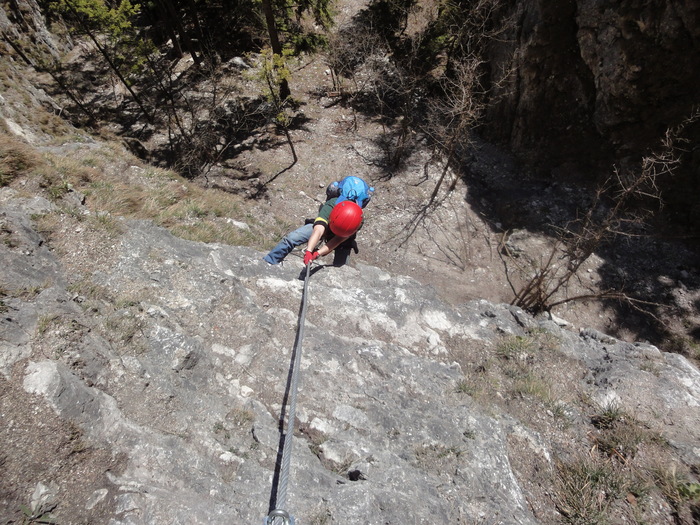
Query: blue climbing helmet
point(350, 189)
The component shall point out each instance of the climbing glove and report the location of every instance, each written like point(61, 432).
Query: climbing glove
point(310, 256)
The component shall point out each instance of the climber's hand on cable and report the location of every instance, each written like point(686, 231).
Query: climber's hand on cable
point(310, 256)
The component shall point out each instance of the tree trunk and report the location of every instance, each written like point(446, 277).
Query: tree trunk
point(170, 28)
point(275, 43)
point(184, 35)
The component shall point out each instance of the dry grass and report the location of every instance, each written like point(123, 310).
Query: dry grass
point(515, 347)
point(586, 489)
point(626, 474)
point(186, 209)
point(17, 159)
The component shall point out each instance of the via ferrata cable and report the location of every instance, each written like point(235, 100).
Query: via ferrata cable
point(279, 516)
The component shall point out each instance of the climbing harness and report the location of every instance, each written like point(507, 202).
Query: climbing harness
point(279, 516)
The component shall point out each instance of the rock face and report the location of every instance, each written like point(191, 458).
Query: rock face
point(172, 359)
point(23, 18)
point(592, 79)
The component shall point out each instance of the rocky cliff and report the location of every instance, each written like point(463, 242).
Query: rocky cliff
point(592, 81)
point(147, 387)
point(144, 377)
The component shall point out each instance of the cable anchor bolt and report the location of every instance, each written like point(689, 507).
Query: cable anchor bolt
point(271, 519)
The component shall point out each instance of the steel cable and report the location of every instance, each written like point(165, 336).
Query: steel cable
point(279, 515)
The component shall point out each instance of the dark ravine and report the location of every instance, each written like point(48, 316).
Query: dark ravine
point(594, 82)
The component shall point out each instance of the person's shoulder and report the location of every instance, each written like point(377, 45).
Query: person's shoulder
point(324, 211)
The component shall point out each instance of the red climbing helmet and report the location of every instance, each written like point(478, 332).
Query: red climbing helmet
point(345, 218)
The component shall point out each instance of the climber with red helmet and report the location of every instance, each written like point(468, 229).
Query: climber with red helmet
point(343, 222)
point(337, 223)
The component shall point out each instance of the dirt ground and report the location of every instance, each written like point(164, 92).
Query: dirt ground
point(456, 247)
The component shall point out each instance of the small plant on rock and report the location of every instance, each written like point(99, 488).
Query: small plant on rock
point(465, 387)
point(586, 488)
point(40, 516)
point(514, 347)
point(675, 486)
point(609, 414)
